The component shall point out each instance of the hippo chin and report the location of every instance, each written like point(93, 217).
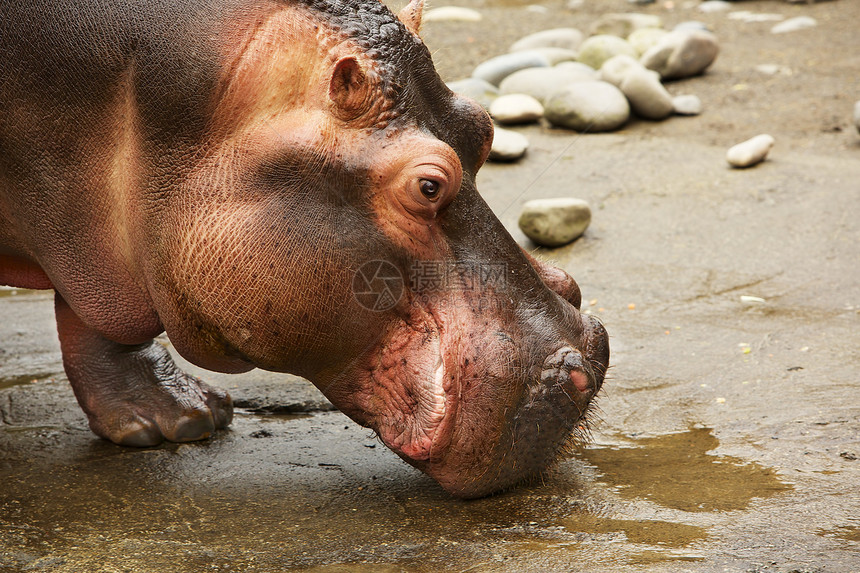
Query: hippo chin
point(285, 185)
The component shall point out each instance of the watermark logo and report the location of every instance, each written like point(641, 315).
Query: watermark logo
point(377, 285)
point(436, 276)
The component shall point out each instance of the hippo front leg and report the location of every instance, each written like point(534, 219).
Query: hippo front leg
point(134, 395)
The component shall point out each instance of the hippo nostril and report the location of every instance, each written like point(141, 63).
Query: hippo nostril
point(580, 380)
point(565, 366)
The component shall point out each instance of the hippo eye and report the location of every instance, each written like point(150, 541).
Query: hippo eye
point(429, 189)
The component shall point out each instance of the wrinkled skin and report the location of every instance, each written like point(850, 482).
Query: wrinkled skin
point(223, 171)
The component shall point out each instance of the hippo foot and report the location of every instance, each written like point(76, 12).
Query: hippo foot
point(134, 395)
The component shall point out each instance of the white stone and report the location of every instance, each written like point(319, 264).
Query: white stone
point(590, 106)
point(567, 38)
point(645, 39)
point(496, 69)
point(451, 14)
point(556, 56)
point(479, 90)
point(537, 9)
point(773, 69)
point(615, 69)
point(540, 83)
point(647, 96)
point(691, 25)
point(622, 25)
point(687, 104)
point(554, 222)
point(793, 24)
point(516, 108)
point(508, 145)
point(580, 69)
point(711, 6)
point(682, 54)
point(597, 49)
point(751, 17)
point(857, 115)
point(750, 152)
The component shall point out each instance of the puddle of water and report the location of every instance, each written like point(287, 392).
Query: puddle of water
point(10, 381)
point(846, 532)
point(644, 532)
point(10, 291)
point(676, 471)
point(355, 568)
point(656, 557)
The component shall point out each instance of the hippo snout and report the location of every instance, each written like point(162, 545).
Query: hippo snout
point(565, 366)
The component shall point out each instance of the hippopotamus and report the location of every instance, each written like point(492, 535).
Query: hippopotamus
point(285, 185)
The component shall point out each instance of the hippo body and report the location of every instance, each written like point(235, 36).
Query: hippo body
point(227, 171)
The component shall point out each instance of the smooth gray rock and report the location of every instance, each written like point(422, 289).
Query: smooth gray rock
point(622, 25)
point(508, 145)
point(597, 49)
point(687, 104)
point(773, 69)
point(554, 222)
point(750, 152)
point(857, 115)
point(645, 39)
point(794, 24)
point(496, 69)
point(591, 106)
point(691, 25)
point(556, 56)
point(567, 38)
point(451, 14)
point(540, 83)
point(537, 9)
point(615, 69)
point(682, 54)
point(579, 68)
point(647, 96)
point(712, 6)
point(748, 17)
point(479, 90)
point(513, 109)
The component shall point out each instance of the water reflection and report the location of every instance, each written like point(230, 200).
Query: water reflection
point(645, 532)
point(676, 471)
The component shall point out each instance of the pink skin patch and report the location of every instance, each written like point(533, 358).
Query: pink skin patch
point(580, 380)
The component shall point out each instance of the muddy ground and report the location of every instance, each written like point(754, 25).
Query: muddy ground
point(729, 432)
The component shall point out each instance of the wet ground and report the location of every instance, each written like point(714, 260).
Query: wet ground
point(729, 431)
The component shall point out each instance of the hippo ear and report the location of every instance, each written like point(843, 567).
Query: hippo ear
point(349, 88)
point(410, 15)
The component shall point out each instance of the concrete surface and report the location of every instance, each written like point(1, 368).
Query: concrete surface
point(729, 431)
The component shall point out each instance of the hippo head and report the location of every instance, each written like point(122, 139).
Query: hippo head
point(332, 228)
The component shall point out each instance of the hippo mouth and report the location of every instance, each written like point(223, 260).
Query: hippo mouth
point(421, 426)
point(433, 418)
point(464, 421)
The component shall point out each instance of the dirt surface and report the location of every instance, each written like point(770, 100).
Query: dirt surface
point(729, 431)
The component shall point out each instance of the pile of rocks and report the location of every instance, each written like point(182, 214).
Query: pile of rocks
point(594, 82)
point(590, 84)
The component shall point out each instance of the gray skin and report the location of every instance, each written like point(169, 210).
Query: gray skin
point(222, 170)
